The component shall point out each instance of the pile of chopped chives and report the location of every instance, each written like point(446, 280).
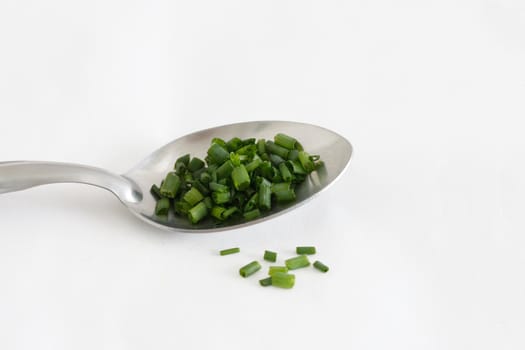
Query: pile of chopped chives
point(237, 179)
point(278, 276)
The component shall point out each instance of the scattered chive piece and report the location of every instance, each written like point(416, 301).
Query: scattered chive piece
point(320, 266)
point(274, 269)
point(283, 280)
point(265, 282)
point(229, 251)
point(297, 262)
point(250, 269)
point(270, 256)
point(305, 250)
point(162, 207)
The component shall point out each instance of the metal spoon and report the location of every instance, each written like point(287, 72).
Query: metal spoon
point(132, 188)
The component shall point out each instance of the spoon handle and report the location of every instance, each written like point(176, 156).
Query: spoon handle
point(20, 175)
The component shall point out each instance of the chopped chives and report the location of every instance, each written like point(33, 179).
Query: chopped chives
point(250, 269)
point(283, 280)
point(270, 256)
point(305, 250)
point(229, 251)
point(265, 282)
point(297, 262)
point(170, 186)
point(320, 266)
point(197, 213)
point(274, 269)
point(239, 178)
point(162, 207)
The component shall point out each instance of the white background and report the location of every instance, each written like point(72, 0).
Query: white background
point(424, 233)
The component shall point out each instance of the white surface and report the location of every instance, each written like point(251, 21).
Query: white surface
point(424, 234)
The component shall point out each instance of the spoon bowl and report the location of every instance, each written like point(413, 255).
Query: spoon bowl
point(132, 188)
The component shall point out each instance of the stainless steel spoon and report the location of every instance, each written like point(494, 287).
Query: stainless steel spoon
point(132, 188)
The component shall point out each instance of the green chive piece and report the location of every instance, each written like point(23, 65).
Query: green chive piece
point(197, 213)
point(193, 196)
point(297, 262)
point(320, 266)
point(225, 169)
point(217, 187)
point(155, 192)
point(182, 207)
point(195, 164)
point(221, 197)
point(305, 250)
point(285, 196)
point(229, 212)
point(285, 141)
point(265, 282)
point(306, 162)
point(162, 206)
point(285, 172)
point(218, 154)
point(253, 214)
point(274, 269)
point(271, 147)
point(229, 251)
point(170, 186)
point(270, 256)
point(181, 164)
point(283, 280)
point(250, 269)
point(293, 155)
point(234, 144)
point(261, 146)
point(240, 178)
point(265, 195)
point(254, 164)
